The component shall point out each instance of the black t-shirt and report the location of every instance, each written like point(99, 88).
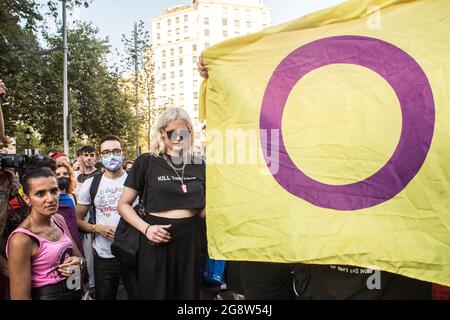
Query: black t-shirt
point(164, 189)
point(338, 282)
point(82, 177)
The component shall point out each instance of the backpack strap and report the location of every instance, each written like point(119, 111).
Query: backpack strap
point(93, 192)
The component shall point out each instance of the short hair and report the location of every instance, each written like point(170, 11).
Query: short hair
point(109, 137)
point(35, 174)
point(157, 145)
point(85, 149)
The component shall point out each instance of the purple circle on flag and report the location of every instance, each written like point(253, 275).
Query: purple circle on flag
point(413, 90)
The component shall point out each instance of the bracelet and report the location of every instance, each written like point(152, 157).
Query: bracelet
point(146, 229)
point(93, 228)
point(81, 262)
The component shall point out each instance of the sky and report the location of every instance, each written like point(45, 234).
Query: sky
point(116, 17)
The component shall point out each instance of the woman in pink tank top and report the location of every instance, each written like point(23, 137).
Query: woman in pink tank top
point(43, 260)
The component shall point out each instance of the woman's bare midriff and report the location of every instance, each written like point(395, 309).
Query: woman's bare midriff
point(174, 214)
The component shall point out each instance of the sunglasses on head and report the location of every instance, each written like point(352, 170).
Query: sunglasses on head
point(182, 134)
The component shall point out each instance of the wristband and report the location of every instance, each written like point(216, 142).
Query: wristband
point(93, 228)
point(146, 229)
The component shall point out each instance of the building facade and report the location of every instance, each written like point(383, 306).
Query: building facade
point(181, 33)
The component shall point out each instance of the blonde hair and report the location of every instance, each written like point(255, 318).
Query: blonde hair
point(72, 182)
point(157, 145)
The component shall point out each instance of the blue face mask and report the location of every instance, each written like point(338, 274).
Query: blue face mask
point(112, 163)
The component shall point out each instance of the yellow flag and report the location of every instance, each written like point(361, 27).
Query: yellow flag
point(329, 140)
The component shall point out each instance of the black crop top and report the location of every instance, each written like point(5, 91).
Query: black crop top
point(164, 188)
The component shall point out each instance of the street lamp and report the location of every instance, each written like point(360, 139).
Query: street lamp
point(28, 138)
point(65, 83)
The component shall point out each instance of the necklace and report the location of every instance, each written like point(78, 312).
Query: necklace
point(183, 186)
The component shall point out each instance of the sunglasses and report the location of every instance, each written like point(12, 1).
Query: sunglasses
point(178, 134)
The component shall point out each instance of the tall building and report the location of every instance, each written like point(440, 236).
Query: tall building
point(181, 33)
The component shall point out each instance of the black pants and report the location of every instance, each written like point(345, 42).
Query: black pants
point(107, 277)
point(267, 281)
point(172, 270)
point(58, 291)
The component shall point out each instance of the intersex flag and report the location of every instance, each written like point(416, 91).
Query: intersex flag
point(329, 140)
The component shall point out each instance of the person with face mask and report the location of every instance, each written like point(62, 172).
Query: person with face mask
point(67, 200)
point(109, 186)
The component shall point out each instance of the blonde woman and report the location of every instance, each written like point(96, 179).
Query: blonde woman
point(172, 183)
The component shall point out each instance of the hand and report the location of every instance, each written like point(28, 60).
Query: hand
point(66, 269)
point(158, 233)
point(105, 231)
point(202, 70)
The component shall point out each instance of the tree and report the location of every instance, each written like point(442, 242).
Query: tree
point(139, 81)
point(97, 105)
point(34, 79)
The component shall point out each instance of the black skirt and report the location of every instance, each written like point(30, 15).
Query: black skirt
point(172, 270)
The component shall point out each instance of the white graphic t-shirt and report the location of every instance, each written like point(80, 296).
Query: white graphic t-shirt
point(106, 200)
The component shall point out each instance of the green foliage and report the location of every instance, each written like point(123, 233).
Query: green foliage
point(34, 80)
point(138, 61)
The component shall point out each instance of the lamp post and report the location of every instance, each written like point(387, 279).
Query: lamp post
point(28, 138)
point(66, 93)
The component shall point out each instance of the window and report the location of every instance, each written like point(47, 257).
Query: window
point(169, 22)
point(249, 24)
point(172, 63)
point(248, 13)
point(195, 83)
point(196, 108)
point(224, 10)
point(164, 76)
point(224, 22)
point(181, 96)
point(194, 59)
point(225, 33)
point(180, 61)
point(185, 29)
point(180, 50)
point(172, 86)
point(164, 53)
point(164, 64)
point(180, 73)
point(206, 32)
point(206, 8)
point(158, 25)
point(185, 18)
point(177, 20)
point(195, 95)
point(171, 51)
point(172, 75)
point(194, 47)
point(236, 12)
point(206, 44)
point(169, 33)
point(206, 21)
point(181, 85)
point(164, 87)
point(195, 72)
point(236, 23)
point(178, 31)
